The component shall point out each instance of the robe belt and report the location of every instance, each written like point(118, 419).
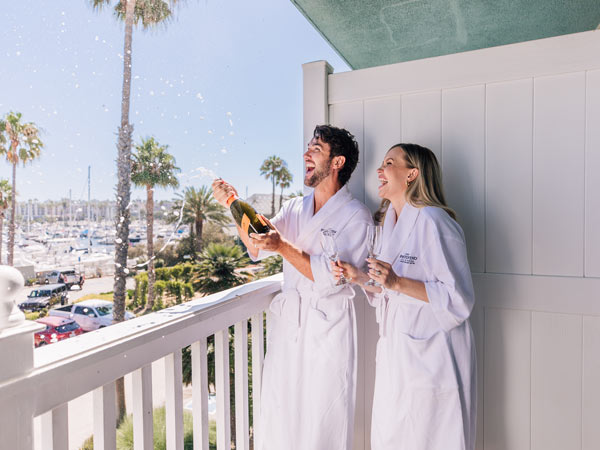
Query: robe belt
point(287, 305)
point(381, 302)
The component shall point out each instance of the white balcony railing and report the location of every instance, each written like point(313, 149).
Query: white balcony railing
point(92, 362)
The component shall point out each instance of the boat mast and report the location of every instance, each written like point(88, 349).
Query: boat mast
point(89, 211)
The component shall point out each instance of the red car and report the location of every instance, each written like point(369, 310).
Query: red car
point(57, 329)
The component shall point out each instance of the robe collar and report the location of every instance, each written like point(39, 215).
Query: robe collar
point(396, 232)
point(324, 218)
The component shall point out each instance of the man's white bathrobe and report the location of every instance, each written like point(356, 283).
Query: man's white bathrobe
point(309, 374)
point(425, 385)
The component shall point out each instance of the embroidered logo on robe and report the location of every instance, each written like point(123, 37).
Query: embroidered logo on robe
point(407, 258)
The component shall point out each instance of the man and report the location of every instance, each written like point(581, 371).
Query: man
point(309, 374)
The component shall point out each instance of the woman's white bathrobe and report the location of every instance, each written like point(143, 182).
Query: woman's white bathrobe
point(309, 374)
point(425, 386)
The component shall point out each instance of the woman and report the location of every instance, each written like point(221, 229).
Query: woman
point(425, 392)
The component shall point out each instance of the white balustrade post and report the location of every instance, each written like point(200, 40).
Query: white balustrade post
point(55, 428)
point(242, 437)
point(174, 401)
point(16, 348)
point(222, 385)
point(258, 353)
point(200, 394)
point(105, 417)
point(143, 426)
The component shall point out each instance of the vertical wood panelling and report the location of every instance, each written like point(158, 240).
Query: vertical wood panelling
point(258, 353)
point(422, 120)
point(508, 161)
point(143, 433)
point(105, 417)
point(222, 387)
point(556, 362)
point(55, 429)
point(463, 164)
point(591, 383)
point(365, 377)
point(350, 117)
point(382, 120)
point(507, 376)
point(200, 394)
point(242, 436)
point(558, 169)
point(592, 178)
point(174, 401)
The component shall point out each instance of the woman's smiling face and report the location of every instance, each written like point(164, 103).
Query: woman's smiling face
point(393, 174)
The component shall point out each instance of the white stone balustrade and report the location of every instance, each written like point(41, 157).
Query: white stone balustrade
point(41, 382)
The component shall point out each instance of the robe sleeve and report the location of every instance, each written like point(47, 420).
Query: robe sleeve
point(352, 248)
point(450, 291)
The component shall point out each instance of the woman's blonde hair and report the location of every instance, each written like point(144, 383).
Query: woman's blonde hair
point(426, 189)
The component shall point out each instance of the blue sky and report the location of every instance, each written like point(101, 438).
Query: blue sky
point(221, 84)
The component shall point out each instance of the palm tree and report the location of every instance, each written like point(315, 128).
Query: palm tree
point(270, 170)
point(218, 268)
point(149, 13)
point(21, 144)
point(5, 197)
point(285, 181)
point(152, 166)
point(199, 206)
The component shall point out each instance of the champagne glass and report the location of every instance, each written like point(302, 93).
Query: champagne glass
point(373, 246)
point(330, 249)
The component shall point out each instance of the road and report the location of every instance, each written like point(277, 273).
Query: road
point(91, 286)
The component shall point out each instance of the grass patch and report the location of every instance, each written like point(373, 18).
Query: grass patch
point(104, 296)
point(125, 433)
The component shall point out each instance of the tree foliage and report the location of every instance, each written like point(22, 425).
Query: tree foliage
point(199, 207)
point(20, 143)
point(218, 268)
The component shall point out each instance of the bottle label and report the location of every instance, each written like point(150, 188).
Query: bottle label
point(245, 225)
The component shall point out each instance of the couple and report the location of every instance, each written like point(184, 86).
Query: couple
point(425, 393)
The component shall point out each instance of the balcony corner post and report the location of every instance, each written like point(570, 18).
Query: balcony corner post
point(16, 348)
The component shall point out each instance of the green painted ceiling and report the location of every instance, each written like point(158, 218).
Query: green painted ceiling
point(369, 33)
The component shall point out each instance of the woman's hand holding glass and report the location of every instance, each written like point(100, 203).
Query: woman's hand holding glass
point(383, 274)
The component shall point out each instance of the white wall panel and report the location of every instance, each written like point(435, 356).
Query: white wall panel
point(508, 161)
point(556, 360)
point(463, 165)
point(382, 125)
point(558, 168)
point(592, 175)
point(591, 383)
point(350, 117)
point(507, 379)
point(422, 120)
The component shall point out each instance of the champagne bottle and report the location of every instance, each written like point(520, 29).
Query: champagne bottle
point(246, 216)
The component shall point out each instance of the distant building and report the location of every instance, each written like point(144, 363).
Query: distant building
point(262, 203)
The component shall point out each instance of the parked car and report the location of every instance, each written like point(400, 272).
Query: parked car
point(57, 329)
point(44, 297)
point(69, 277)
point(89, 314)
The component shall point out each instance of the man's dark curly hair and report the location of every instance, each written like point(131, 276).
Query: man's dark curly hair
point(342, 143)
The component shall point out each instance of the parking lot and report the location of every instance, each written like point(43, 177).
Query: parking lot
point(91, 286)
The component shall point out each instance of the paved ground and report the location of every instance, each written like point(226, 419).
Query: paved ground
point(91, 286)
